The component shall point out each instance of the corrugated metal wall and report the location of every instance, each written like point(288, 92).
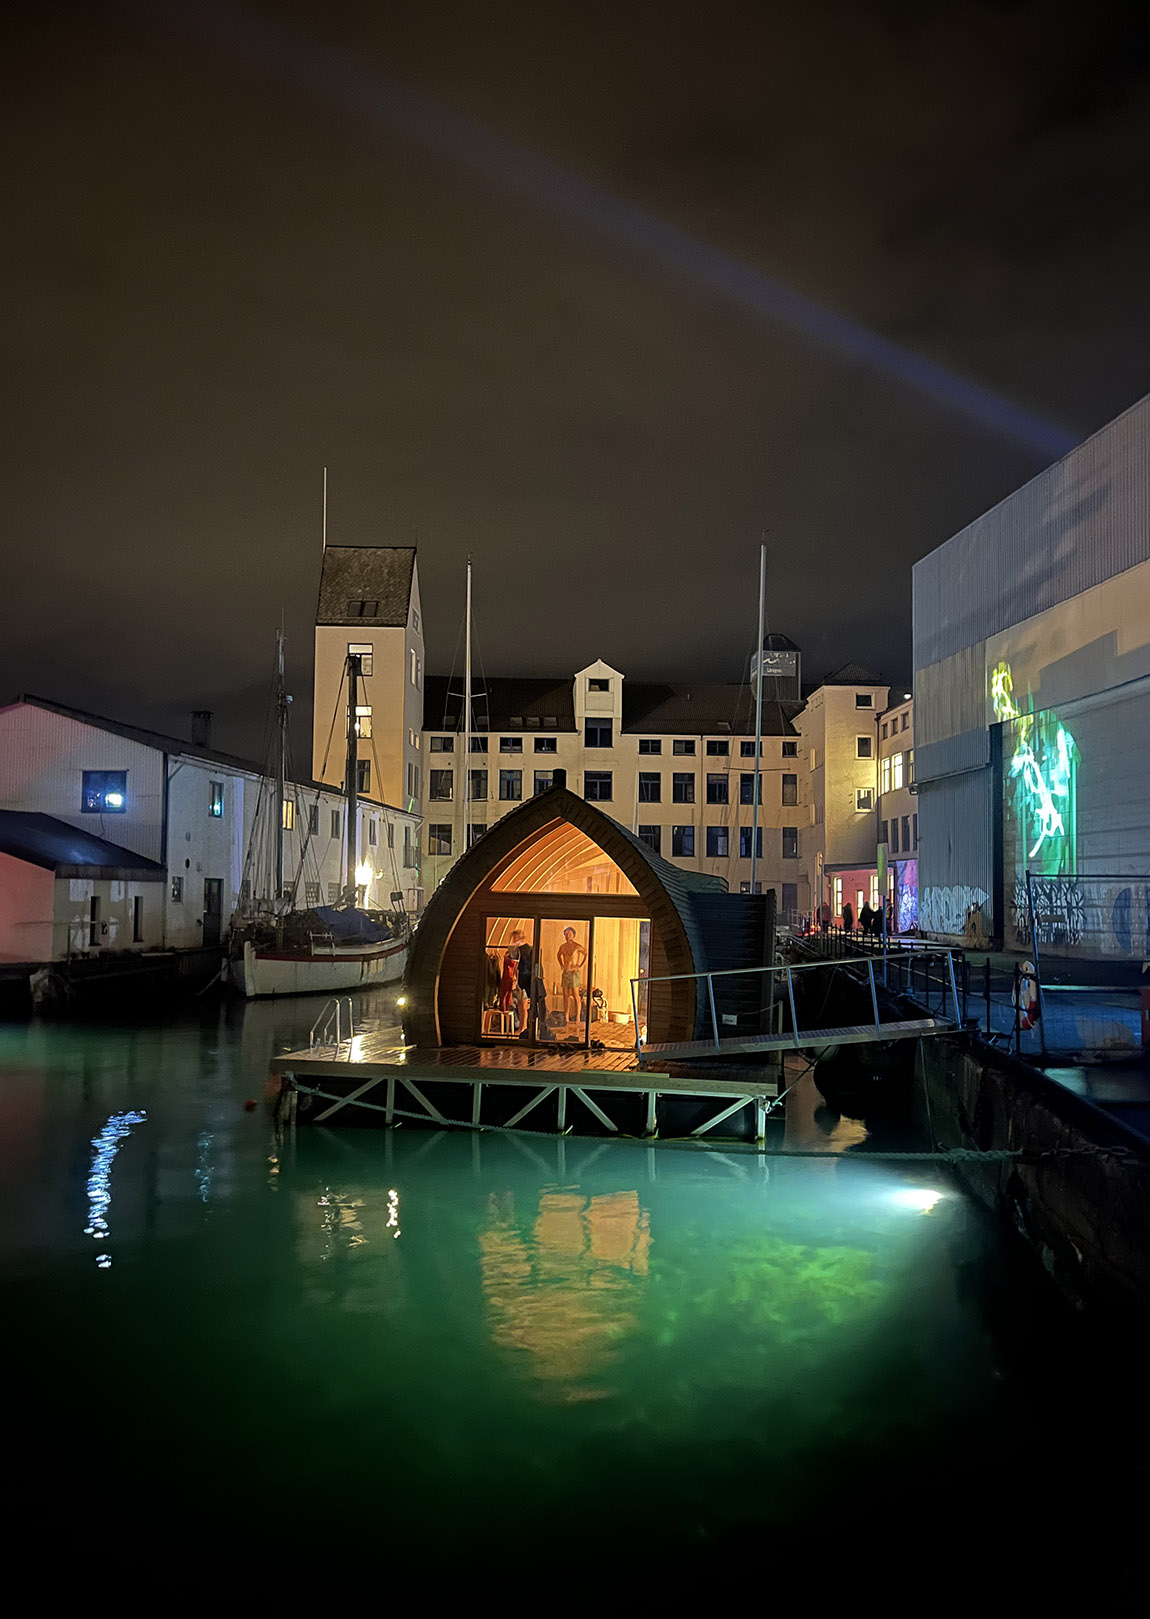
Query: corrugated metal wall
point(1081, 521)
point(954, 819)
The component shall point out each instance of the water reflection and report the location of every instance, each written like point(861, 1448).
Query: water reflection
point(564, 1290)
point(105, 1146)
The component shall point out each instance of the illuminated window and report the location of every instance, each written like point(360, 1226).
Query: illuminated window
point(546, 744)
point(650, 744)
point(104, 792)
point(884, 772)
point(910, 767)
point(790, 843)
point(864, 798)
point(717, 789)
point(874, 888)
point(896, 771)
point(288, 814)
point(441, 784)
point(215, 799)
point(363, 776)
point(652, 836)
point(864, 747)
point(363, 651)
point(683, 842)
point(363, 722)
point(511, 785)
point(745, 836)
point(597, 733)
point(562, 860)
point(682, 747)
point(790, 789)
point(363, 609)
point(442, 744)
point(718, 843)
point(597, 785)
point(837, 903)
point(439, 838)
point(177, 890)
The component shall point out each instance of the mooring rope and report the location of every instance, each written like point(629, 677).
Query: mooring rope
point(946, 1155)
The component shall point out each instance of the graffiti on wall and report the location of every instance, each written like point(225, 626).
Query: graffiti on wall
point(906, 895)
point(958, 910)
point(1041, 787)
point(1060, 912)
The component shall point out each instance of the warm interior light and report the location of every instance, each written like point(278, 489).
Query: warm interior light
point(114, 800)
point(364, 875)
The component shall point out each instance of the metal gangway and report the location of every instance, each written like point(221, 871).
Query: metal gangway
point(742, 1041)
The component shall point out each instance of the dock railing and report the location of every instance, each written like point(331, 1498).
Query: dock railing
point(334, 1025)
point(927, 976)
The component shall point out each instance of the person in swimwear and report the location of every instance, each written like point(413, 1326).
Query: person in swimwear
point(571, 955)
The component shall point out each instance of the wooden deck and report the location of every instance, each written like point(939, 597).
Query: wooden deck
point(855, 1034)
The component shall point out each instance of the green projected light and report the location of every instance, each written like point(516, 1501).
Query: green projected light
point(1044, 780)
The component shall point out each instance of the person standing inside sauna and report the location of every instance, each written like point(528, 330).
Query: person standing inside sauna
point(523, 986)
point(571, 955)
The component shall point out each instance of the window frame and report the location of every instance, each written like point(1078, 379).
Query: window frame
point(647, 779)
point(718, 834)
point(93, 799)
point(599, 778)
point(718, 787)
point(682, 787)
point(598, 724)
point(680, 836)
point(511, 786)
point(434, 797)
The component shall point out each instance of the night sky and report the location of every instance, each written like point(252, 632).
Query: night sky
point(521, 276)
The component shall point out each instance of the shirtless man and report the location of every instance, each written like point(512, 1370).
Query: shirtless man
point(571, 955)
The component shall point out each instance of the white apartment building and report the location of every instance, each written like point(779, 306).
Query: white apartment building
point(898, 811)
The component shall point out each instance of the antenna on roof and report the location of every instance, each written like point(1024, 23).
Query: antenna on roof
point(325, 511)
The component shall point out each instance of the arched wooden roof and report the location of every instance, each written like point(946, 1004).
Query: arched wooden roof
point(664, 889)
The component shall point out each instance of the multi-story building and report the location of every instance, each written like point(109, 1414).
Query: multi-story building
point(898, 812)
point(113, 837)
point(839, 743)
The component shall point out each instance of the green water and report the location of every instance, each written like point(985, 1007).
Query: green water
point(358, 1349)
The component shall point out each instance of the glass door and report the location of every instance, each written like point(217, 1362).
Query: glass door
point(621, 952)
point(508, 978)
point(563, 998)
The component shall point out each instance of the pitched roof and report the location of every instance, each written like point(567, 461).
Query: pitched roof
point(498, 703)
point(852, 674)
point(503, 704)
point(43, 841)
point(356, 577)
point(139, 733)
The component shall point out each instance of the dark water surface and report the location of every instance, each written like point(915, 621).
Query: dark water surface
point(355, 1356)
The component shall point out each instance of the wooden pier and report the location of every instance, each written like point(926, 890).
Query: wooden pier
point(372, 1079)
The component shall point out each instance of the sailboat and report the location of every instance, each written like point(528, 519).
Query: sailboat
point(278, 949)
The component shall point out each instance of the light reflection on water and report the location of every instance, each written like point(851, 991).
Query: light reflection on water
point(105, 1146)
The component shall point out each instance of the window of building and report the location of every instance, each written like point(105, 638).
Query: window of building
point(814, 758)
point(682, 787)
point(718, 843)
point(717, 789)
point(177, 890)
point(864, 747)
point(597, 733)
point(479, 744)
point(312, 894)
point(373, 831)
point(790, 789)
point(544, 781)
point(650, 744)
point(363, 722)
point(652, 836)
point(477, 787)
point(475, 831)
point(910, 767)
point(442, 744)
point(864, 699)
point(745, 888)
point(333, 893)
point(905, 720)
point(884, 730)
point(288, 814)
point(884, 774)
point(682, 747)
point(896, 775)
point(598, 685)
point(511, 744)
point(650, 787)
point(313, 820)
point(391, 834)
point(906, 834)
point(546, 744)
point(337, 823)
point(894, 834)
point(363, 609)
point(94, 920)
point(873, 896)
point(790, 748)
point(511, 785)
point(718, 750)
point(441, 785)
point(864, 798)
point(597, 784)
point(413, 666)
point(439, 837)
point(747, 750)
point(215, 799)
point(683, 842)
point(415, 620)
point(408, 848)
point(747, 787)
point(882, 831)
point(915, 819)
point(363, 776)
point(363, 651)
point(745, 836)
point(790, 843)
point(104, 792)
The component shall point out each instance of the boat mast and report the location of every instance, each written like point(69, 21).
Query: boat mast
point(351, 782)
point(467, 713)
point(759, 712)
point(281, 765)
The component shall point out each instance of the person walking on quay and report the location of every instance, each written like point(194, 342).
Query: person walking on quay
point(848, 917)
point(866, 920)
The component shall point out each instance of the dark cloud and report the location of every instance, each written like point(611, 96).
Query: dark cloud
point(219, 280)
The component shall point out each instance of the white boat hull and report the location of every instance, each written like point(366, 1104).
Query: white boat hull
point(259, 973)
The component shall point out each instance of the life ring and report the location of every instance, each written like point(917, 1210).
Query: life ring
point(1025, 996)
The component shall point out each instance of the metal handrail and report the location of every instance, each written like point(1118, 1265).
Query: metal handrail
point(322, 1027)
